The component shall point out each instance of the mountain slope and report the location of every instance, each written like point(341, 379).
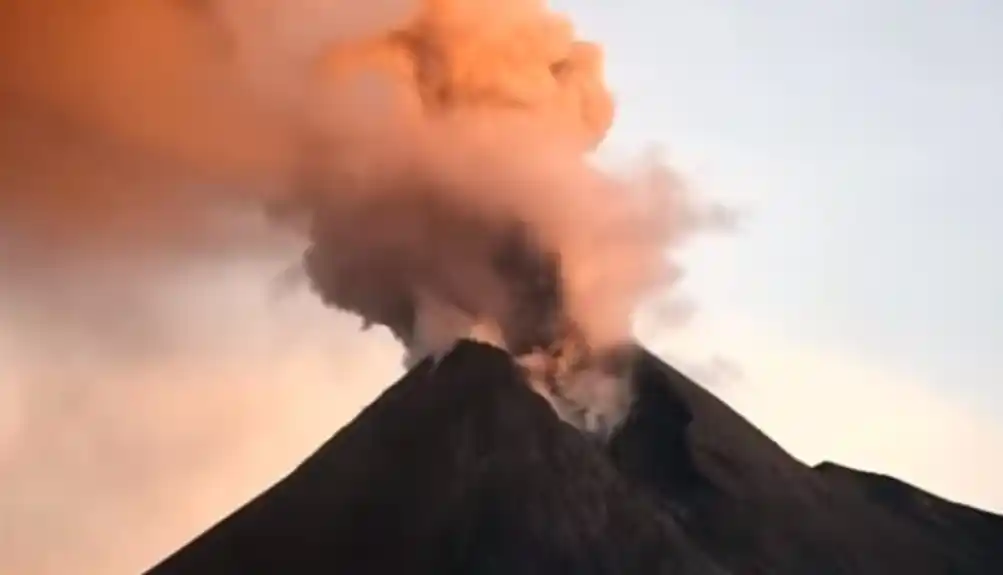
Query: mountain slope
point(460, 468)
point(756, 509)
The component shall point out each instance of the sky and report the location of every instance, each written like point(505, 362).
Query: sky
point(863, 142)
point(852, 317)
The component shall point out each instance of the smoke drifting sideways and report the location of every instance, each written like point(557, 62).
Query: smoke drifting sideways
point(431, 154)
point(420, 151)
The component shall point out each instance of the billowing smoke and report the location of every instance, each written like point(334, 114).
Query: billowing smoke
point(475, 194)
point(432, 157)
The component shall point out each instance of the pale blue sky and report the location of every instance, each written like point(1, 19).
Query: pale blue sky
point(866, 139)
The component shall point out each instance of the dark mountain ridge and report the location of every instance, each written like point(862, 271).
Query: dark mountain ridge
point(461, 468)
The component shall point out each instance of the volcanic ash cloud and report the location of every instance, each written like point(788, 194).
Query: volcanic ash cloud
point(435, 157)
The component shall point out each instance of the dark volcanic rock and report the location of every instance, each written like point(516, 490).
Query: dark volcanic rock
point(757, 510)
point(460, 468)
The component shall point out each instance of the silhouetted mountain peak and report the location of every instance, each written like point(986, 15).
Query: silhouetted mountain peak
point(461, 467)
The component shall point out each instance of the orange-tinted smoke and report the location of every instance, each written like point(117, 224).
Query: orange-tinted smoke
point(496, 107)
point(106, 109)
point(127, 124)
point(110, 109)
point(131, 122)
point(138, 120)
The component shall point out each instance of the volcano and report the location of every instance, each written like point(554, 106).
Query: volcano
point(461, 468)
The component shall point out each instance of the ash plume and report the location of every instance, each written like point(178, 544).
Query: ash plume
point(432, 155)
